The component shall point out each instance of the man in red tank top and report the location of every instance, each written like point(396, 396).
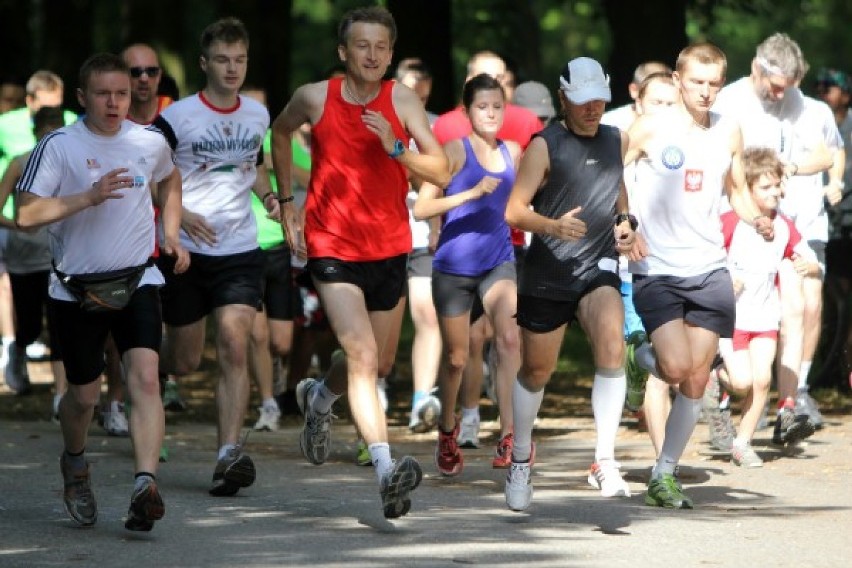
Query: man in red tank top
point(355, 234)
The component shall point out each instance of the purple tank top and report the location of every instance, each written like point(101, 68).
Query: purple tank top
point(474, 236)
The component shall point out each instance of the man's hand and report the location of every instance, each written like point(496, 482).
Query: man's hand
point(764, 227)
point(625, 236)
point(639, 250)
point(569, 227)
point(106, 187)
point(379, 125)
point(197, 229)
point(833, 192)
point(273, 208)
point(172, 247)
point(291, 220)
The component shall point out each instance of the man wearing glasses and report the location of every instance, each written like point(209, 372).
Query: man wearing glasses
point(145, 73)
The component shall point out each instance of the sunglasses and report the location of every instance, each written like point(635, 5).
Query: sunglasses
point(137, 72)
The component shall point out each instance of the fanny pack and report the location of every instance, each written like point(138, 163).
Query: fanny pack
point(104, 291)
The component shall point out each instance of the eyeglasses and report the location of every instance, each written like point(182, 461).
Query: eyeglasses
point(137, 72)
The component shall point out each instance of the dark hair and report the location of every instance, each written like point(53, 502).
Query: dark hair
point(101, 63)
point(168, 86)
point(48, 116)
point(368, 15)
point(481, 82)
point(226, 30)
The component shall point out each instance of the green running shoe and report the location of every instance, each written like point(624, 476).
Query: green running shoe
point(636, 375)
point(362, 456)
point(665, 491)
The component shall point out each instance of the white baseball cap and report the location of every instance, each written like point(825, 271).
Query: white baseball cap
point(583, 80)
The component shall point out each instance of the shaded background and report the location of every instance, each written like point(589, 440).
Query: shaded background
point(293, 41)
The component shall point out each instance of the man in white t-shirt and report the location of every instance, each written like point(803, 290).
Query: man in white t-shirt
point(217, 136)
point(774, 113)
point(91, 183)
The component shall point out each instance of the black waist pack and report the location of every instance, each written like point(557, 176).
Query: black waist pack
point(104, 291)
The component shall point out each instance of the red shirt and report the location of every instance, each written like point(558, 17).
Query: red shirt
point(519, 125)
point(355, 208)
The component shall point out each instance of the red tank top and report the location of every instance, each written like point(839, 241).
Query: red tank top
point(355, 208)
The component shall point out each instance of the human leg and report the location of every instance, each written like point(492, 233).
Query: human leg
point(425, 354)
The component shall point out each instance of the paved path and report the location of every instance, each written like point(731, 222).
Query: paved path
point(795, 511)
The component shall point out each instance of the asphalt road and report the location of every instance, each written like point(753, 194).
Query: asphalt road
point(795, 511)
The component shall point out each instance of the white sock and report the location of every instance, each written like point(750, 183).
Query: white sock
point(270, 404)
point(647, 359)
point(469, 415)
point(323, 399)
point(116, 406)
point(803, 374)
point(608, 391)
point(223, 451)
point(525, 405)
point(381, 458)
point(682, 420)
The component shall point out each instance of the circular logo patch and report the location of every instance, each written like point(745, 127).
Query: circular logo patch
point(672, 157)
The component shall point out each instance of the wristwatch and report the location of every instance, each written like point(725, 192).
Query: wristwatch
point(622, 217)
point(398, 149)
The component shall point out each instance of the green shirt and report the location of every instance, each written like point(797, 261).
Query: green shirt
point(270, 234)
point(16, 138)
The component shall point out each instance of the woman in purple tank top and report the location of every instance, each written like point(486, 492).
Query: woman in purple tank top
point(474, 268)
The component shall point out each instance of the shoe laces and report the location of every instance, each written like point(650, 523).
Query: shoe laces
point(504, 447)
point(447, 445)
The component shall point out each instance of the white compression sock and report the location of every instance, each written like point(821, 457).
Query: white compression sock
point(608, 393)
point(525, 405)
point(381, 458)
point(682, 420)
point(804, 370)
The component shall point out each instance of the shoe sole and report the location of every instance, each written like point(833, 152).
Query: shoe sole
point(239, 474)
point(141, 516)
point(302, 392)
point(85, 522)
point(427, 418)
point(405, 478)
point(798, 431)
point(620, 493)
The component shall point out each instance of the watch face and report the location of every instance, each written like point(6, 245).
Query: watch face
point(398, 147)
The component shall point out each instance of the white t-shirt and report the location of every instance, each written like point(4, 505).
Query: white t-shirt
point(679, 186)
point(621, 117)
point(217, 151)
point(793, 127)
point(118, 233)
point(754, 262)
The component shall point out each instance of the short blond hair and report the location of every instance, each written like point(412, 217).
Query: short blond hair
point(44, 81)
point(705, 53)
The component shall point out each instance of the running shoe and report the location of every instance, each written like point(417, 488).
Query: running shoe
point(362, 456)
point(17, 375)
point(448, 456)
point(171, 397)
point(396, 485)
point(315, 439)
point(146, 506)
point(233, 472)
point(114, 420)
point(268, 419)
point(503, 452)
point(424, 414)
point(77, 494)
point(606, 476)
point(636, 375)
point(666, 492)
point(469, 433)
point(721, 426)
point(791, 428)
point(805, 404)
point(745, 456)
point(519, 489)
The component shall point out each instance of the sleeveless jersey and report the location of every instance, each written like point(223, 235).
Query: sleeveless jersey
point(681, 183)
point(586, 172)
point(474, 236)
point(355, 209)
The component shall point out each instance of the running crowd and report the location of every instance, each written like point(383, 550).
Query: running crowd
point(685, 232)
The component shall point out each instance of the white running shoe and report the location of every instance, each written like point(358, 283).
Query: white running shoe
point(268, 420)
point(424, 415)
point(115, 421)
point(606, 476)
point(519, 489)
point(468, 433)
point(315, 439)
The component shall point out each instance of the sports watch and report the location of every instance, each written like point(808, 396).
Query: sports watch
point(398, 149)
